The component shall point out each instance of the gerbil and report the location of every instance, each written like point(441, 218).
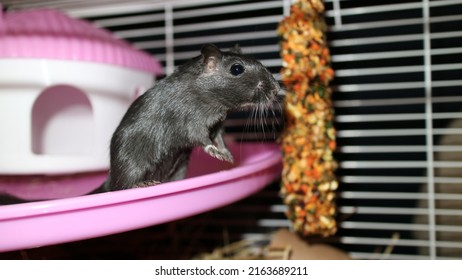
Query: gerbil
point(155, 138)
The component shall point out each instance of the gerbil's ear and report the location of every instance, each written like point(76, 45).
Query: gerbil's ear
point(236, 49)
point(212, 56)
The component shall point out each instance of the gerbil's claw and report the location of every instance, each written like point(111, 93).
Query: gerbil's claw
point(145, 184)
point(222, 154)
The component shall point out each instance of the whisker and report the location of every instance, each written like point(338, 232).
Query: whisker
point(258, 122)
point(248, 122)
point(254, 119)
point(263, 120)
point(275, 122)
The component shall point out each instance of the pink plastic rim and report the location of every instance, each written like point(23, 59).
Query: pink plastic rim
point(57, 221)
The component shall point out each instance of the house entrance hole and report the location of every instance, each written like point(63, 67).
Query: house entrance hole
point(62, 122)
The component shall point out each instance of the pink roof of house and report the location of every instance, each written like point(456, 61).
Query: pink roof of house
point(46, 33)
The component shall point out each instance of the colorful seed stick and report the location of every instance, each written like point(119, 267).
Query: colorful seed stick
point(309, 138)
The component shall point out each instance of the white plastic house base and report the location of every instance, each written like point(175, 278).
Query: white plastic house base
point(58, 116)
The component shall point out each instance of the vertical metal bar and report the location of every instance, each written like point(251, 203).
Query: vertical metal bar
point(286, 7)
point(169, 40)
point(337, 13)
point(429, 129)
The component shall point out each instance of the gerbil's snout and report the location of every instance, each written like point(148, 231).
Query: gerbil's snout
point(268, 87)
point(267, 90)
point(267, 83)
point(275, 88)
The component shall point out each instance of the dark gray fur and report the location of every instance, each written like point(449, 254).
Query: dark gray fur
point(155, 138)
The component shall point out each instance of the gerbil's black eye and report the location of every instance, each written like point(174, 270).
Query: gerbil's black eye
point(236, 69)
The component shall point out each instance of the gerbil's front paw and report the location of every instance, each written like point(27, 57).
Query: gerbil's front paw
point(145, 184)
point(222, 154)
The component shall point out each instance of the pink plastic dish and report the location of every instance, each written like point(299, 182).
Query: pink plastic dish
point(210, 184)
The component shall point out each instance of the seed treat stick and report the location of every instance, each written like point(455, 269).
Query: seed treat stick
point(309, 138)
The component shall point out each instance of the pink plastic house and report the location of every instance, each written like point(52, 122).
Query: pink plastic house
point(64, 86)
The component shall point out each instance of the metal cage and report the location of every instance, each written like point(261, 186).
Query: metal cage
point(397, 96)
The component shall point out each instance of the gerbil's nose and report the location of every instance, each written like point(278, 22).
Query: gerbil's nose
point(276, 87)
point(270, 86)
point(276, 91)
point(275, 83)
